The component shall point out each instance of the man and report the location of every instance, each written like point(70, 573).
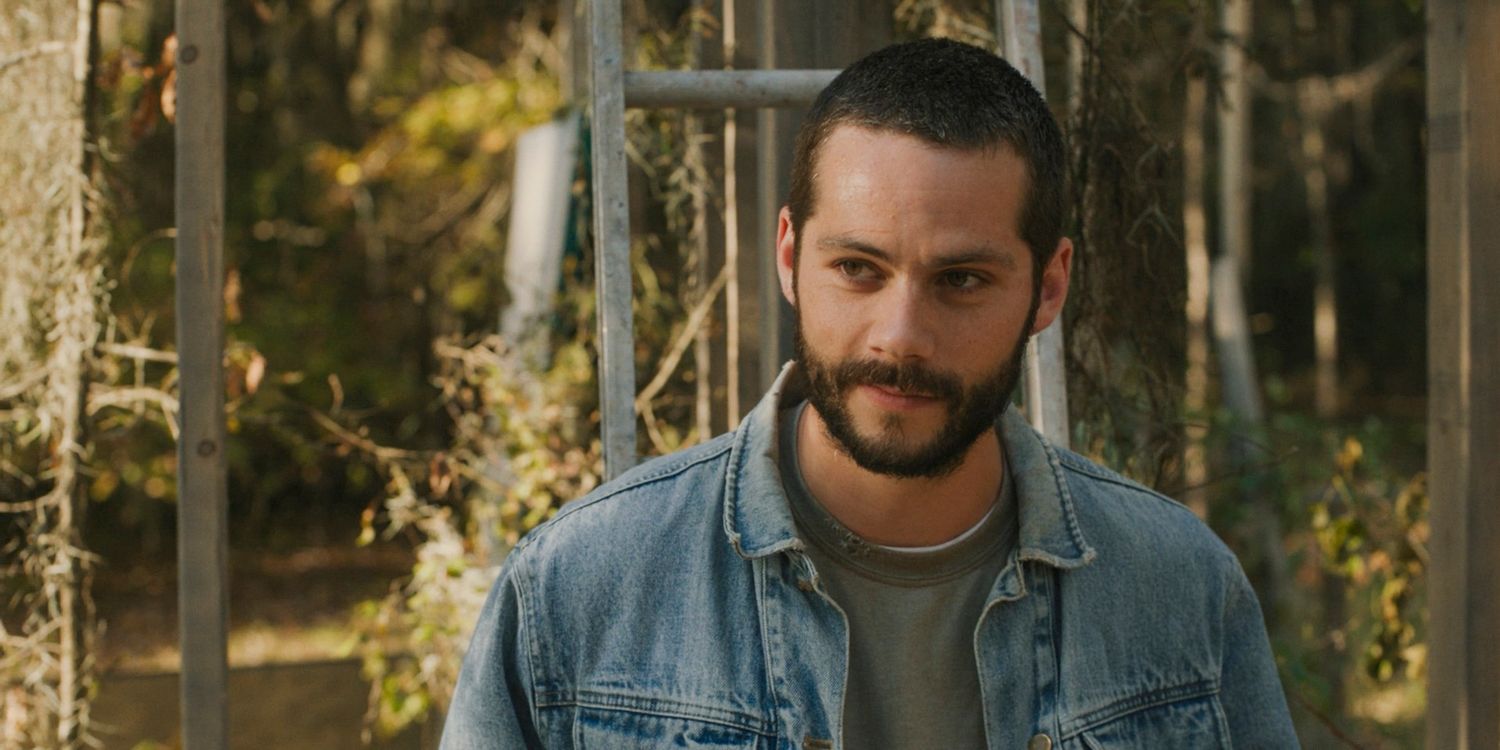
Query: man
point(884, 554)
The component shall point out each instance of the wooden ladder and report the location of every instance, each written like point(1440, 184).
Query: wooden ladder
point(612, 89)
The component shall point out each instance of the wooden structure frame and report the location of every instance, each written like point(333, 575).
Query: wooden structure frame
point(203, 501)
point(1464, 348)
point(612, 89)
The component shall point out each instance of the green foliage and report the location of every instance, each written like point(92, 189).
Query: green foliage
point(1357, 531)
point(1371, 529)
point(523, 444)
point(525, 426)
point(366, 197)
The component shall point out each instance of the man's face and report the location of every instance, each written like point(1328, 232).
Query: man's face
point(914, 295)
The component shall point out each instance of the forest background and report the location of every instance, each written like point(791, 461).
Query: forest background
point(386, 446)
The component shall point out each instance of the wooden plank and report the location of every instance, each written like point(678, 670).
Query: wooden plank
point(1463, 238)
point(718, 89)
point(1447, 323)
point(202, 526)
point(1482, 65)
point(612, 237)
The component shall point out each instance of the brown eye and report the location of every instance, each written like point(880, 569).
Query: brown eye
point(855, 269)
point(961, 280)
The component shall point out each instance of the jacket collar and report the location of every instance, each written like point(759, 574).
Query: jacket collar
point(758, 517)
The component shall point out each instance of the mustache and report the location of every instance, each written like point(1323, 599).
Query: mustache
point(909, 378)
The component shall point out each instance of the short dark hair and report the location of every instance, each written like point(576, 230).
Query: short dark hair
point(949, 94)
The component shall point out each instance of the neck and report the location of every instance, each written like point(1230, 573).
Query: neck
point(899, 512)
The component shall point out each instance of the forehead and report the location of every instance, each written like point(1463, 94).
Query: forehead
point(892, 183)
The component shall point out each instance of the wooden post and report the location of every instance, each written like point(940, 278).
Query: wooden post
point(1463, 254)
point(202, 525)
point(612, 236)
point(722, 89)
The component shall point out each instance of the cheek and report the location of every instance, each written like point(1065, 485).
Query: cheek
point(830, 328)
point(979, 343)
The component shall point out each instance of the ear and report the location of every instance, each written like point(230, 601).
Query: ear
point(786, 251)
point(1054, 289)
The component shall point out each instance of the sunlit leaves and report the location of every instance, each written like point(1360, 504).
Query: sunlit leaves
point(1378, 544)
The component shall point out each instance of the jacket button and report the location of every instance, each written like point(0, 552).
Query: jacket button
point(1039, 742)
point(804, 584)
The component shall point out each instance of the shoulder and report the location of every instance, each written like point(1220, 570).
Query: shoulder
point(1128, 519)
point(655, 500)
point(615, 572)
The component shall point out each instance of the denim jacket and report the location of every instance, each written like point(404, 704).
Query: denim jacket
point(676, 607)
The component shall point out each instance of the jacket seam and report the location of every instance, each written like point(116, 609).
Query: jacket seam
point(652, 477)
point(1088, 469)
point(1051, 605)
point(523, 598)
point(609, 701)
point(1117, 481)
point(1137, 703)
point(1070, 511)
point(759, 580)
point(732, 490)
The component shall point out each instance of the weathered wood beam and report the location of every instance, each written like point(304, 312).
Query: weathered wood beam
point(720, 89)
point(1463, 256)
point(202, 525)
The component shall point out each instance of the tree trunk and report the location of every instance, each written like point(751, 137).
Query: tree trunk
point(1234, 139)
point(1195, 244)
point(1078, 20)
point(1314, 104)
point(1240, 389)
point(1313, 108)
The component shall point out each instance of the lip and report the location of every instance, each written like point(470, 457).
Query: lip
point(896, 400)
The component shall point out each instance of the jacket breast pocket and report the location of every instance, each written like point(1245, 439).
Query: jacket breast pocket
point(1156, 722)
point(616, 728)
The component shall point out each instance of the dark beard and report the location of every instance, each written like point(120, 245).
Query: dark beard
point(970, 411)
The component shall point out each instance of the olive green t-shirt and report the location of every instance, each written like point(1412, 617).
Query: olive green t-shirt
point(913, 681)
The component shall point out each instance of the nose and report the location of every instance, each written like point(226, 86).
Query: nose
point(902, 329)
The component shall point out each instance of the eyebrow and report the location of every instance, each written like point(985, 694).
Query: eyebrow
point(975, 255)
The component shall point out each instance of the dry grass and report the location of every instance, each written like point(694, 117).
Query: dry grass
point(50, 291)
point(283, 608)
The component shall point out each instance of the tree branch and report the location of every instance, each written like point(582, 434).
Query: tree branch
point(683, 340)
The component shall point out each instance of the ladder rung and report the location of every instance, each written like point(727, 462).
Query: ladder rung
point(720, 89)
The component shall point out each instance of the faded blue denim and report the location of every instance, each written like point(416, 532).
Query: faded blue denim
point(675, 607)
